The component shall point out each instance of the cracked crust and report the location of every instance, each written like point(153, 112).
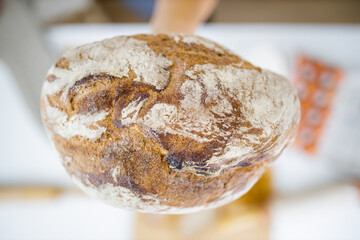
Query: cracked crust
point(165, 123)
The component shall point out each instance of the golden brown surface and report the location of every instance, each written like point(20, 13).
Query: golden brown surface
point(171, 168)
point(246, 218)
point(146, 172)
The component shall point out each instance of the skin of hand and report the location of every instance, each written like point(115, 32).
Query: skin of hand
point(181, 16)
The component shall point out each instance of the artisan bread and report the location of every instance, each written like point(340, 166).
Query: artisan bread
point(165, 123)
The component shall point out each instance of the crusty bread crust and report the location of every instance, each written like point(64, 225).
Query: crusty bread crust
point(165, 123)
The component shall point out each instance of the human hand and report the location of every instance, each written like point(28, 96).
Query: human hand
point(181, 16)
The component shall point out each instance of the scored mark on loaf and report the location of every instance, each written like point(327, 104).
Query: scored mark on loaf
point(114, 56)
point(165, 123)
point(77, 125)
point(212, 118)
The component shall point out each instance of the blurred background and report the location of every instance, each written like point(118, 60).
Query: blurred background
point(311, 192)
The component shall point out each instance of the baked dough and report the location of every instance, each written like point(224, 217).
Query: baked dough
point(165, 123)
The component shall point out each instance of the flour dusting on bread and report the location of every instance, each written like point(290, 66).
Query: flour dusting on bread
point(191, 39)
point(130, 113)
point(122, 197)
point(77, 125)
point(116, 56)
point(166, 123)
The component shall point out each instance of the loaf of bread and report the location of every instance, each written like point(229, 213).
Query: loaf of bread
point(165, 123)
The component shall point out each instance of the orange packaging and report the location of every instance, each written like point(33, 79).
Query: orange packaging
point(317, 84)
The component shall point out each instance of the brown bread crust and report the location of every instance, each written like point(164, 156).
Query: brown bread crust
point(165, 171)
